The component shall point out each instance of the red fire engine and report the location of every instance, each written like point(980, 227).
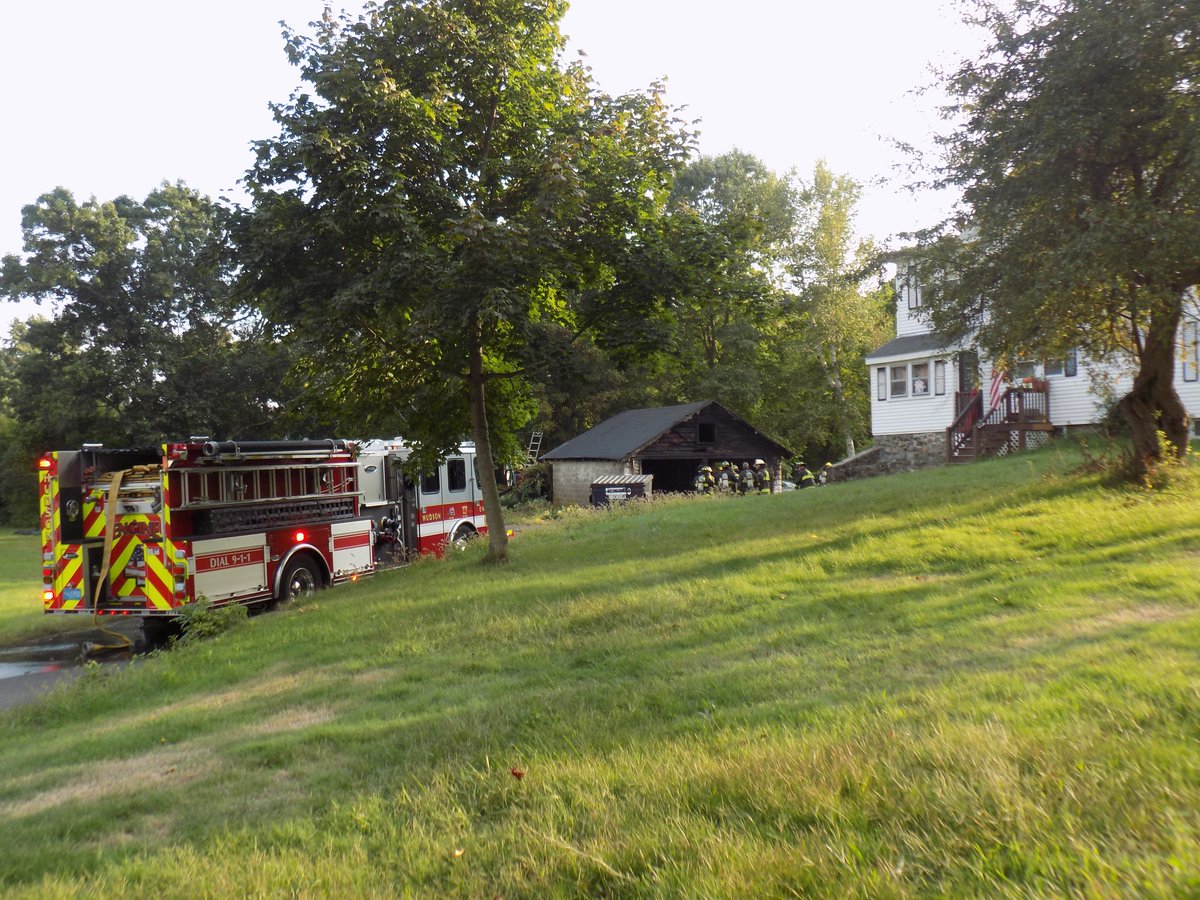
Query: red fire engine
point(144, 532)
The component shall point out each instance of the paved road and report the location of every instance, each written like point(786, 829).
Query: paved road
point(33, 668)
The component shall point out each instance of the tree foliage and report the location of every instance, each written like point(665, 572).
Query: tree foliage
point(731, 223)
point(443, 195)
point(1075, 141)
point(774, 305)
point(142, 340)
point(834, 312)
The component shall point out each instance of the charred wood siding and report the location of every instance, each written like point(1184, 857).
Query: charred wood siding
point(713, 435)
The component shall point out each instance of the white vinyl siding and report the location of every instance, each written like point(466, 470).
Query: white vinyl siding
point(914, 413)
point(1076, 400)
point(1077, 384)
point(911, 321)
point(910, 307)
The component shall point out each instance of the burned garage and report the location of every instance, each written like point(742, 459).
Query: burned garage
point(668, 443)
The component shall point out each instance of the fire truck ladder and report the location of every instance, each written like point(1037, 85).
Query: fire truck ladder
point(238, 498)
point(535, 446)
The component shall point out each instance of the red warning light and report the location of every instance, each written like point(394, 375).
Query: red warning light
point(300, 536)
point(46, 464)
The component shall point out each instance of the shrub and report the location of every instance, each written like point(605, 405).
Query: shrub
point(201, 620)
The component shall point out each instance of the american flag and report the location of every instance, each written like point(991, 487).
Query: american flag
point(996, 389)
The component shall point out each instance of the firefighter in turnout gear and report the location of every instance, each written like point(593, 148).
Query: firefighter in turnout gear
point(823, 478)
point(762, 477)
point(802, 476)
point(704, 480)
point(746, 479)
point(725, 478)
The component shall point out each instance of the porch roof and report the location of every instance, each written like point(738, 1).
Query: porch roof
point(912, 345)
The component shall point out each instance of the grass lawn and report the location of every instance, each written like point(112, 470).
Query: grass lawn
point(982, 680)
point(21, 616)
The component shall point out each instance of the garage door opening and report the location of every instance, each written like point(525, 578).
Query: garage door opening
point(672, 475)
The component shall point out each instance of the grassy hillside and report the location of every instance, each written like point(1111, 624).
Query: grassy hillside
point(981, 680)
point(21, 615)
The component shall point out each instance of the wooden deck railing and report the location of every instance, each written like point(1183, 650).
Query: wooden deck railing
point(961, 434)
point(1003, 429)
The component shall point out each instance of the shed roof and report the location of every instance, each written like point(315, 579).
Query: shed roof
point(623, 434)
point(626, 433)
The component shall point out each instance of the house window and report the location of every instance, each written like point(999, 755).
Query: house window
point(1191, 351)
point(913, 289)
point(1071, 364)
point(706, 433)
point(1024, 370)
point(920, 379)
point(1053, 366)
point(899, 381)
point(881, 384)
point(456, 475)
point(939, 377)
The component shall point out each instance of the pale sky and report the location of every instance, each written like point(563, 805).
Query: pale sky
point(110, 98)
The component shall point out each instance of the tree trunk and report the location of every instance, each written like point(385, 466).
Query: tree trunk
point(1152, 405)
point(839, 398)
point(497, 536)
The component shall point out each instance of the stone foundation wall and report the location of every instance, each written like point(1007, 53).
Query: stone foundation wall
point(894, 453)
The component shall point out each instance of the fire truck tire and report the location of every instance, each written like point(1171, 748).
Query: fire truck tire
point(300, 579)
point(462, 536)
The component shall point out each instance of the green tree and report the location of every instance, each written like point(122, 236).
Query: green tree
point(447, 194)
point(143, 340)
point(1076, 145)
point(731, 224)
point(834, 313)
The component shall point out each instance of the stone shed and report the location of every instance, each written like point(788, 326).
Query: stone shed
point(668, 442)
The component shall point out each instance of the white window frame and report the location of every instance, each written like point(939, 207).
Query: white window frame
point(914, 378)
point(892, 392)
point(939, 378)
point(881, 383)
point(1191, 351)
point(912, 288)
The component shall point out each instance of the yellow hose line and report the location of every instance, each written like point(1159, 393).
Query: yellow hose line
point(110, 516)
point(125, 642)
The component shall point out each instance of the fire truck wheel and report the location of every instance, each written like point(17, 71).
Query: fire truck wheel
point(300, 579)
point(463, 536)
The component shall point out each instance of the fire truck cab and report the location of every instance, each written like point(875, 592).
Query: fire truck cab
point(142, 532)
point(419, 512)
